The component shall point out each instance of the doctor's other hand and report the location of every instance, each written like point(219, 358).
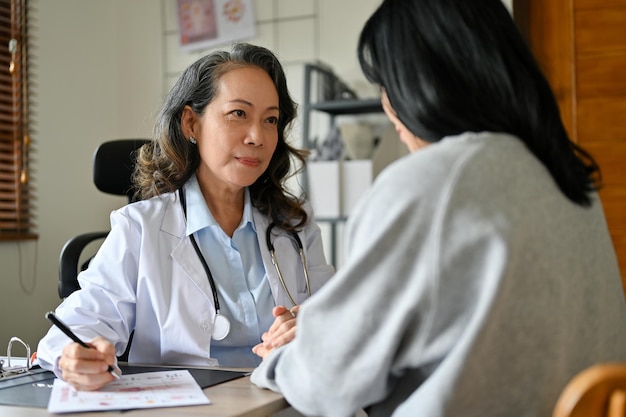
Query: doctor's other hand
point(87, 369)
point(281, 332)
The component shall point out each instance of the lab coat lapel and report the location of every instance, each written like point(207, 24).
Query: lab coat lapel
point(184, 253)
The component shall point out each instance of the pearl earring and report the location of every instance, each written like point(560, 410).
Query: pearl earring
point(192, 140)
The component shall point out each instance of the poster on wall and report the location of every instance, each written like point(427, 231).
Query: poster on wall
point(205, 24)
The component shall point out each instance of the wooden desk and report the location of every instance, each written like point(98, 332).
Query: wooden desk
point(238, 398)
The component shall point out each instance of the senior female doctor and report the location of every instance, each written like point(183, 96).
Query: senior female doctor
point(217, 251)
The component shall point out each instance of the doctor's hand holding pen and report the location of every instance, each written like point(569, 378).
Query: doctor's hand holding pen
point(281, 332)
point(86, 366)
point(89, 369)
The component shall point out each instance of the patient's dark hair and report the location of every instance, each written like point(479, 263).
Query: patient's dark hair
point(450, 66)
point(166, 163)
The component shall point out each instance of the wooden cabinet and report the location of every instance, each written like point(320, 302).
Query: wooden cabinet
point(581, 47)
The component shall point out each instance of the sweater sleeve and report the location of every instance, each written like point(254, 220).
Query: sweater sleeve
point(353, 328)
point(377, 330)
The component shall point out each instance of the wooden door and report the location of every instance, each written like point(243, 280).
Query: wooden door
point(581, 47)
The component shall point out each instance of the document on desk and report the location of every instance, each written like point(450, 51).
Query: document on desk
point(143, 390)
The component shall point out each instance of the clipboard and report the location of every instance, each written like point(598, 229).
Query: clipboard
point(33, 389)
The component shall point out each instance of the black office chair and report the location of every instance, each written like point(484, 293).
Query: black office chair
point(113, 164)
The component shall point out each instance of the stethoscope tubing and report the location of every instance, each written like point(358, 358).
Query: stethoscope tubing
point(272, 252)
point(205, 266)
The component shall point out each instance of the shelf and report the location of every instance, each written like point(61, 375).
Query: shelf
point(320, 81)
point(339, 219)
point(338, 107)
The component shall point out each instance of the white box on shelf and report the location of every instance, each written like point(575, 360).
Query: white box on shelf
point(323, 185)
point(355, 178)
point(335, 186)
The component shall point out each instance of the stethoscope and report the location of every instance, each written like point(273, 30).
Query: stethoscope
point(270, 247)
point(221, 323)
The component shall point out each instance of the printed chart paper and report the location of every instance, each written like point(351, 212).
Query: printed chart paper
point(206, 24)
point(145, 390)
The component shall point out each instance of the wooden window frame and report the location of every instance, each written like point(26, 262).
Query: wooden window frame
point(16, 209)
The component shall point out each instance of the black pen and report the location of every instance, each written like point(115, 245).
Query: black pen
point(69, 333)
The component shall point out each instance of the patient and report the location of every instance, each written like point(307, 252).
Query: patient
point(479, 274)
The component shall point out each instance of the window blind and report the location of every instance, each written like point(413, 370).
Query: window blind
point(16, 210)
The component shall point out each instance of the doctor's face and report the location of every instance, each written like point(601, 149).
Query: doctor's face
point(238, 129)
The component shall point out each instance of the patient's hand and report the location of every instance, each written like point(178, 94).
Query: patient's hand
point(281, 332)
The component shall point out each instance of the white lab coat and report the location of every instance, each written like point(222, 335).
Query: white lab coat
point(147, 277)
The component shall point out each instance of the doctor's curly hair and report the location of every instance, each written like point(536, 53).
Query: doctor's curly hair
point(167, 162)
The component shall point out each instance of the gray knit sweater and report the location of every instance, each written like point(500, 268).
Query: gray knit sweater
point(472, 287)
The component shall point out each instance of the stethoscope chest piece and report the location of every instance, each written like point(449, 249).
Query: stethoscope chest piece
point(221, 327)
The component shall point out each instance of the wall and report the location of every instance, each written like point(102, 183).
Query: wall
point(97, 75)
point(100, 72)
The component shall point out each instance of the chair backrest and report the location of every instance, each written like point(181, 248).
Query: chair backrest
point(113, 164)
point(598, 391)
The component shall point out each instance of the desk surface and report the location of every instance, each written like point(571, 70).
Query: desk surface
point(238, 397)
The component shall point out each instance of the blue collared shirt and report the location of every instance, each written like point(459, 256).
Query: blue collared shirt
point(240, 277)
